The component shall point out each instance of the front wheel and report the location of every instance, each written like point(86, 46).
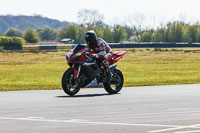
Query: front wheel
point(69, 84)
point(116, 83)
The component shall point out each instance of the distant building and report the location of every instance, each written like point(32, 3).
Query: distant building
point(67, 41)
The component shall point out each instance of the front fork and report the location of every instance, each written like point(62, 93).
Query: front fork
point(76, 71)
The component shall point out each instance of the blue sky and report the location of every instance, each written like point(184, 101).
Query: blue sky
point(162, 10)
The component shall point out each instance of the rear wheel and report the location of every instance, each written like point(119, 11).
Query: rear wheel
point(69, 84)
point(116, 83)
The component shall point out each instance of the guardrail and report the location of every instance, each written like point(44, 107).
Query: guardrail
point(35, 47)
point(112, 45)
point(154, 45)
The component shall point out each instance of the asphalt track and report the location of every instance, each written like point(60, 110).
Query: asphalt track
point(151, 109)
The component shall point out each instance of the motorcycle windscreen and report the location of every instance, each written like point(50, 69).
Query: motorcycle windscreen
point(78, 47)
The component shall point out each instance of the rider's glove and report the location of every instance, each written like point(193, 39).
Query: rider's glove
point(95, 55)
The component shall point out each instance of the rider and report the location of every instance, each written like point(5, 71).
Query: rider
point(100, 50)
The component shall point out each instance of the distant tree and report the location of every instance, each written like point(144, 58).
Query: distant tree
point(47, 33)
point(130, 32)
point(146, 36)
point(90, 18)
point(159, 35)
point(119, 33)
point(198, 34)
point(12, 41)
point(108, 34)
point(12, 32)
point(69, 32)
point(192, 33)
point(81, 35)
point(31, 36)
point(174, 32)
point(99, 32)
point(136, 21)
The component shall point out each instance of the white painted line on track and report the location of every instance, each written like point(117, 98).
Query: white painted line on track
point(35, 117)
point(79, 121)
point(172, 112)
point(174, 128)
point(163, 114)
point(195, 131)
point(82, 121)
point(170, 94)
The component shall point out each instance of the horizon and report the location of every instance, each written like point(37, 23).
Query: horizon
point(114, 11)
point(180, 18)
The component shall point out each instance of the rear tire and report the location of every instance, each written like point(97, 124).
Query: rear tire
point(116, 83)
point(69, 84)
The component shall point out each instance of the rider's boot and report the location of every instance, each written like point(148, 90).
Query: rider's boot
point(83, 81)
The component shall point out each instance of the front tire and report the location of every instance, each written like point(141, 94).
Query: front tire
point(116, 83)
point(69, 84)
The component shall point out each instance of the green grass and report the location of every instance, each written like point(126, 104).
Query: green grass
point(141, 67)
point(161, 68)
point(28, 71)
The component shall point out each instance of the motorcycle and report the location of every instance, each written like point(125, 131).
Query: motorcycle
point(83, 69)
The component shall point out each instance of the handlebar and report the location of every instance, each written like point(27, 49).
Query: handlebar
point(88, 58)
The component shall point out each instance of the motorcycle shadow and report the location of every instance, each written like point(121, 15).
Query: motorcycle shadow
point(86, 95)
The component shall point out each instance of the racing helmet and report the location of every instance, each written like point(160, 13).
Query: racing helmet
point(90, 37)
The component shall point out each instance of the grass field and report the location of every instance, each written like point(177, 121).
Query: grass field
point(141, 67)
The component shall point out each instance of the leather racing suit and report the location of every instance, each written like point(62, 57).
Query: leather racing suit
point(102, 51)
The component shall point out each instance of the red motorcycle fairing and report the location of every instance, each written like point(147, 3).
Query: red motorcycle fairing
point(76, 56)
point(117, 56)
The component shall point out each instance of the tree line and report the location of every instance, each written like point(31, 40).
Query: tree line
point(73, 31)
point(173, 32)
point(134, 31)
